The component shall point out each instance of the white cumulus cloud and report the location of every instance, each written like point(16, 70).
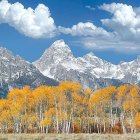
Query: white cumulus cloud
point(125, 20)
point(93, 37)
point(84, 29)
point(123, 34)
point(35, 23)
point(124, 23)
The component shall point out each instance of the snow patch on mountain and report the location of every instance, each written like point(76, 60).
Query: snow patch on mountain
point(58, 62)
point(16, 72)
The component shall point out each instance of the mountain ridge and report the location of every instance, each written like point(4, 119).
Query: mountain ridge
point(58, 62)
point(17, 72)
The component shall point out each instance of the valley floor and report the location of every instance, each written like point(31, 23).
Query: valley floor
point(69, 137)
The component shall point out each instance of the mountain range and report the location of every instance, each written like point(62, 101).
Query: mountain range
point(59, 64)
point(16, 72)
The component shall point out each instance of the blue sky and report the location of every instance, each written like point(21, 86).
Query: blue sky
point(115, 40)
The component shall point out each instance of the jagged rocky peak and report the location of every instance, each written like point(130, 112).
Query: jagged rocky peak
point(59, 44)
point(60, 48)
point(59, 51)
point(2, 49)
point(93, 60)
point(91, 57)
point(16, 72)
point(59, 63)
point(5, 52)
point(90, 54)
point(7, 55)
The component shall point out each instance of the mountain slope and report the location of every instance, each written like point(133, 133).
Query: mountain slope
point(58, 63)
point(130, 71)
point(16, 72)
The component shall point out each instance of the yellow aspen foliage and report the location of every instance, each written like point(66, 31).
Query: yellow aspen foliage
point(137, 120)
point(69, 108)
point(77, 97)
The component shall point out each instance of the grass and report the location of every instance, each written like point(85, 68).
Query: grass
point(69, 137)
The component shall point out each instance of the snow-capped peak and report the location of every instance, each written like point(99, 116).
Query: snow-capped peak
point(58, 52)
point(2, 48)
point(16, 72)
point(58, 48)
point(90, 54)
point(4, 51)
point(59, 43)
point(59, 63)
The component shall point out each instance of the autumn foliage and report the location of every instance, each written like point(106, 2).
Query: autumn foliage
point(69, 108)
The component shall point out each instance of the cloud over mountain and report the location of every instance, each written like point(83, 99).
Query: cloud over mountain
point(122, 31)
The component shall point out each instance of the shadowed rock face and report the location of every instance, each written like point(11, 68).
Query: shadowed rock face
point(58, 63)
point(16, 72)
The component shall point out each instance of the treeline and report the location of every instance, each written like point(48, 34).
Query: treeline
point(68, 108)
